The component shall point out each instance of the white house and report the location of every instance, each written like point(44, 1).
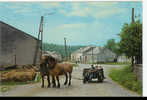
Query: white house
point(78, 55)
point(99, 54)
point(123, 58)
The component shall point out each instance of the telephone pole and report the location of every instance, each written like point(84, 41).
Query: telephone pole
point(133, 20)
point(92, 56)
point(133, 58)
point(41, 32)
point(65, 49)
point(39, 42)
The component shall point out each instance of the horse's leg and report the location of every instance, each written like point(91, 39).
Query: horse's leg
point(48, 78)
point(42, 76)
point(53, 81)
point(66, 78)
point(69, 79)
point(57, 77)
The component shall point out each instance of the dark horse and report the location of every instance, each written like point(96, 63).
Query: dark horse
point(50, 66)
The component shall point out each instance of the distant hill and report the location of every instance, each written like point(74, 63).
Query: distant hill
point(60, 48)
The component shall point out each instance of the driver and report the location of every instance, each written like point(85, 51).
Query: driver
point(92, 69)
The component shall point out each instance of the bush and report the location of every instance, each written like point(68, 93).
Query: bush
point(75, 65)
point(126, 78)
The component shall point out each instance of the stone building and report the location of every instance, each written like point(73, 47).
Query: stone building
point(17, 47)
point(98, 54)
point(78, 54)
point(93, 54)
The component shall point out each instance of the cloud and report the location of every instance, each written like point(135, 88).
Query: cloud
point(25, 8)
point(93, 9)
point(101, 3)
point(18, 8)
point(47, 5)
point(71, 26)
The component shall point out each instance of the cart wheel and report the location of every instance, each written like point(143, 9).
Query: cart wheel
point(100, 77)
point(84, 80)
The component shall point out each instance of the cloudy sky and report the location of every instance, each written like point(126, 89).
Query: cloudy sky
point(82, 23)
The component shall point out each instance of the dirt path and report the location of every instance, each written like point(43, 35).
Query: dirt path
point(107, 88)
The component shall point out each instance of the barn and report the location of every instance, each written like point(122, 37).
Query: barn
point(99, 54)
point(17, 47)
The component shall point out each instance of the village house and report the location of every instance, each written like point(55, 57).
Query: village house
point(98, 54)
point(93, 54)
point(77, 56)
point(123, 58)
point(17, 47)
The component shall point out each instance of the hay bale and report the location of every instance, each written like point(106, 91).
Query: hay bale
point(19, 75)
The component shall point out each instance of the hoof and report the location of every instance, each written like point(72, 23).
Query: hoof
point(65, 83)
point(42, 86)
point(54, 86)
point(58, 86)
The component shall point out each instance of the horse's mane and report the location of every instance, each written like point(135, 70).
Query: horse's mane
point(52, 59)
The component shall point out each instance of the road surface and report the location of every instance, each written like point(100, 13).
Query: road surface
point(77, 88)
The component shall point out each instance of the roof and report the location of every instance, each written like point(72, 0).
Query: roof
point(19, 30)
point(81, 50)
point(98, 50)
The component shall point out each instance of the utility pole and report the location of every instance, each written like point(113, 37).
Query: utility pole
point(41, 32)
point(65, 49)
point(133, 20)
point(92, 56)
point(69, 53)
point(132, 51)
point(39, 44)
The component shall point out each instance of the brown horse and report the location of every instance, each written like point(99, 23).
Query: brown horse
point(55, 70)
point(44, 70)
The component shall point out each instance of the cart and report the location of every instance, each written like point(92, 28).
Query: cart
point(97, 74)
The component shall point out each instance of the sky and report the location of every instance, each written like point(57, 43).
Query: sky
point(81, 23)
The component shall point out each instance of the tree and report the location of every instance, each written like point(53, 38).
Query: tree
point(131, 41)
point(113, 46)
point(60, 48)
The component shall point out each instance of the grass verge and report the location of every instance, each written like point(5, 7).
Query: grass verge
point(114, 63)
point(127, 79)
point(75, 65)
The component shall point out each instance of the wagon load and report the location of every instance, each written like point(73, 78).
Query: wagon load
point(18, 75)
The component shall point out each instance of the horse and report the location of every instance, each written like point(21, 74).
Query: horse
point(56, 69)
point(44, 71)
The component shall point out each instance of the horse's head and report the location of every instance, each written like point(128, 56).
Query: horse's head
point(51, 61)
point(43, 62)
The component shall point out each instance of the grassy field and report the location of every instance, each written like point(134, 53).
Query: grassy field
point(113, 63)
point(126, 78)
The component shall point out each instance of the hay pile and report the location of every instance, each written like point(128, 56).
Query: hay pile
point(18, 75)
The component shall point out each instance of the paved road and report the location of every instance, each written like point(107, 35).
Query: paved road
point(107, 88)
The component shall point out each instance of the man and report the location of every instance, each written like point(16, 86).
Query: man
point(92, 69)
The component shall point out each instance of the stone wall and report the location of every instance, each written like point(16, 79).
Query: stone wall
point(15, 45)
point(138, 71)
